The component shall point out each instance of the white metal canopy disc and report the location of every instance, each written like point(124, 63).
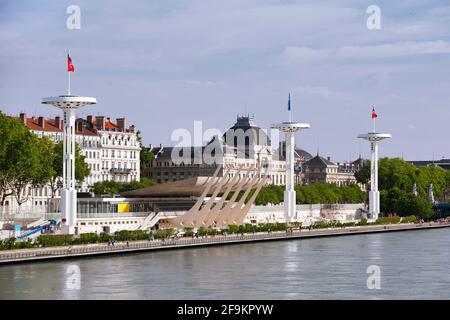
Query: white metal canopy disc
point(290, 126)
point(72, 102)
point(373, 136)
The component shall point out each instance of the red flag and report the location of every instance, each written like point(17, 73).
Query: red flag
point(374, 115)
point(70, 67)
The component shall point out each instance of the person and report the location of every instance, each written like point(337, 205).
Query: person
point(128, 245)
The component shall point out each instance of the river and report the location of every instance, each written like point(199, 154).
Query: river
point(401, 265)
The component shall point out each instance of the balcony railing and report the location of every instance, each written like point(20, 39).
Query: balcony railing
point(120, 171)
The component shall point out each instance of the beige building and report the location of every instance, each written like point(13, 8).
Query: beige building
point(244, 145)
point(323, 170)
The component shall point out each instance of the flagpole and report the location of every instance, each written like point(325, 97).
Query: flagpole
point(68, 86)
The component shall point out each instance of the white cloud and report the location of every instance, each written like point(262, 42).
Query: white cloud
point(388, 50)
point(316, 90)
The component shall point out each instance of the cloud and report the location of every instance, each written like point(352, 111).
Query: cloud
point(316, 90)
point(294, 54)
point(197, 83)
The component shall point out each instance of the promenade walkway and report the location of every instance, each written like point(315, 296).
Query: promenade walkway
point(78, 251)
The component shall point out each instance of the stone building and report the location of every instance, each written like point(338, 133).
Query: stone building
point(323, 170)
point(241, 147)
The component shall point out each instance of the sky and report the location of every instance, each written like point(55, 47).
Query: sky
point(165, 64)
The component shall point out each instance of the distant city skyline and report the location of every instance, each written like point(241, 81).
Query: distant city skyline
point(163, 65)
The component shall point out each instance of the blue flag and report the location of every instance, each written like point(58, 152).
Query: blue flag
point(289, 102)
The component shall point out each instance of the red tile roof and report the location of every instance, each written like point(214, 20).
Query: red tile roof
point(110, 125)
point(50, 126)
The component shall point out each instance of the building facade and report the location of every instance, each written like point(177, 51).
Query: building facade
point(443, 163)
point(323, 170)
point(242, 147)
point(111, 150)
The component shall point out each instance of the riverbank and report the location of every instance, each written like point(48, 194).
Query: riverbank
point(79, 251)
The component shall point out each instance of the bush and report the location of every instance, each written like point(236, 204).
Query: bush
point(53, 240)
point(362, 222)
point(409, 219)
point(320, 225)
point(388, 220)
point(127, 235)
point(163, 234)
point(86, 238)
point(188, 232)
point(233, 228)
point(349, 224)
point(11, 244)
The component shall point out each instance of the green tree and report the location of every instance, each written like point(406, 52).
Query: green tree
point(363, 174)
point(145, 156)
point(396, 180)
point(24, 159)
point(113, 187)
point(81, 167)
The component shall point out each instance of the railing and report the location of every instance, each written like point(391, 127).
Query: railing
point(67, 251)
point(120, 170)
point(152, 244)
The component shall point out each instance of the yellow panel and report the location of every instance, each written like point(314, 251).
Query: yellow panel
point(123, 207)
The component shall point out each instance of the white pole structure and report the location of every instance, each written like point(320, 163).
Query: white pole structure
point(68, 104)
point(374, 194)
point(289, 128)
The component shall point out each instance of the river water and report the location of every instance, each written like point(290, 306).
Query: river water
point(401, 265)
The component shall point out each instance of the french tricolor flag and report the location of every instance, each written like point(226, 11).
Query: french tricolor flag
point(374, 115)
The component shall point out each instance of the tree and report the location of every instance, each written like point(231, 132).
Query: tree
point(145, 156)
point(81, 167)
point(363, 175)
point(24, 159)
point(113, 187)
point(397, 178)
point(402, 203)
point(312, 194)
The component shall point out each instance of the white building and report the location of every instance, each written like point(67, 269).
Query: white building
point(111, 149)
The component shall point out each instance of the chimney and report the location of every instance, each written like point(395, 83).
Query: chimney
point(79, 126)
point(132, 128)
point(121, 123)
point(58, 122)
point(41, 122)
point(100, 122)
point(329, 158)
point(23, 117)
point(89, 119)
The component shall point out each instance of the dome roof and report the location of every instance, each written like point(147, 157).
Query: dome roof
point(245, 132)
